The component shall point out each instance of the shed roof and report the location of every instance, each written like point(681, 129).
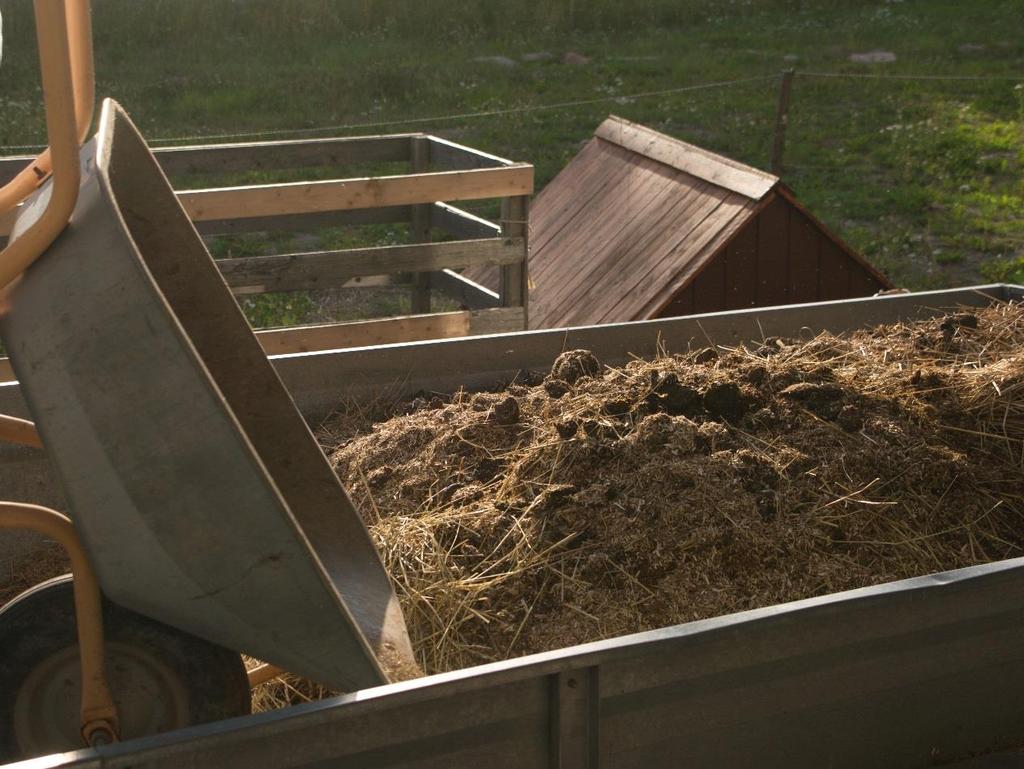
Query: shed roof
point(637, 216)
point(630, 221)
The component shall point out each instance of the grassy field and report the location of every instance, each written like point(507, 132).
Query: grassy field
point(923, 175)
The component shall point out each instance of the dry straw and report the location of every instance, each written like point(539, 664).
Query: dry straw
point(598, 501)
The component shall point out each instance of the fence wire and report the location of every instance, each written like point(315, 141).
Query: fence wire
point(919, 171)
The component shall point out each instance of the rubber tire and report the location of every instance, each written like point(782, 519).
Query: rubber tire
point(41, 622)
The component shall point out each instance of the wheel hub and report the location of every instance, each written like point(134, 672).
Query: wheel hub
point(150, 698)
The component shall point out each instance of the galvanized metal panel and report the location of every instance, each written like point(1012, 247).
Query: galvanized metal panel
point(894, 676)
point(319, 381)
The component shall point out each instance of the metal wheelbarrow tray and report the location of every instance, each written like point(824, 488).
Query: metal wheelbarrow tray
point(202, 498)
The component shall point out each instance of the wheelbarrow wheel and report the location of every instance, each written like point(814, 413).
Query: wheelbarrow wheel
point(161, 678)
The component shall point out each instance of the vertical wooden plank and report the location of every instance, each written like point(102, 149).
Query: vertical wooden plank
point(741, 269)
point(835, 271)
point(862, 283)
point(681, 304)
point(709, 288)
point(514, 290)
point(419, 229)
point(773, 254)
point(803, 258)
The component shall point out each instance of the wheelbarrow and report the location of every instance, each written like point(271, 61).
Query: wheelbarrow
point(198, 497)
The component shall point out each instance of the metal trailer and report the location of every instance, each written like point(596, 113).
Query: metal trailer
point(319, 381)
point(201, 500)
point(910, 674)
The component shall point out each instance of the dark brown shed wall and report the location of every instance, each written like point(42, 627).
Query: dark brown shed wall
point(780, 256)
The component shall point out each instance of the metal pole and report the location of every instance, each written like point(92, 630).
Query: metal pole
point(781, 120)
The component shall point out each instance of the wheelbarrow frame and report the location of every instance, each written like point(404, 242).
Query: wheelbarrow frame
point(368, 622)
point(64, 36)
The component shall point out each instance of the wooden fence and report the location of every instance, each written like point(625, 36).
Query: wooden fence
point(440, 173)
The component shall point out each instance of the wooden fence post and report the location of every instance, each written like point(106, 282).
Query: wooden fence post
point(781, 121)
point(420, 225)
point(514, 290)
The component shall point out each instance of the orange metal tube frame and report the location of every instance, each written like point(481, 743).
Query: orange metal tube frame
point(52, 24)
point(79, 34)
point(64, 36)
point(19, 431)
point(99, 714)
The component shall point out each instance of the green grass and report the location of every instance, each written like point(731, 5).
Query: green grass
point(925, 177)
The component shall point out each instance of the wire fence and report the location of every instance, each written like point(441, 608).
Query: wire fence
point(920, 171)
point(621, 99)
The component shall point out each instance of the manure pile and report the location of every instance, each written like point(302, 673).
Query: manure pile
point(592, 501)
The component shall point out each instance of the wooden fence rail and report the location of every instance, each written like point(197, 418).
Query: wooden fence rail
point(369, 333)
point(350, 194)
point(299, 153)
point(328, 269)
point(441, 172)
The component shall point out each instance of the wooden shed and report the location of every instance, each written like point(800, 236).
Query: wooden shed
point(640, 225)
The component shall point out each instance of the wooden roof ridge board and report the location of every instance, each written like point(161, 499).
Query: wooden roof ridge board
point(696, 161)
point(856, 256)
